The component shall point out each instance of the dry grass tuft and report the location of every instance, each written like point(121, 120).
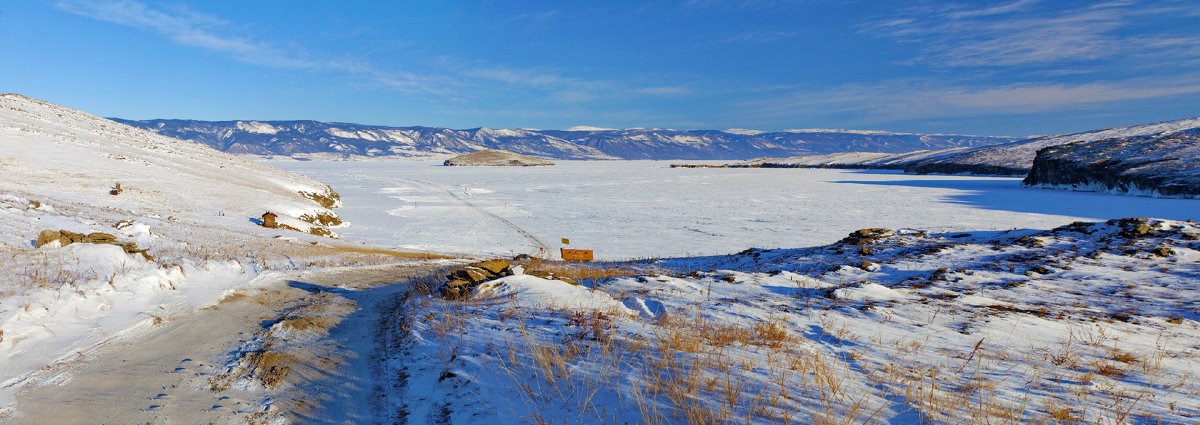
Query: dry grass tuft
point(270, 367)
point(577, 271)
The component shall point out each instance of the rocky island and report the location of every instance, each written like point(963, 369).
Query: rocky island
point(496, 157)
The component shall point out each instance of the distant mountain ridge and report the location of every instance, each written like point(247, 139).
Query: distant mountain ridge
point(1012, 159)
point(317, 139)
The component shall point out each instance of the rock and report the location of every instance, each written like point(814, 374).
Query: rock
point(540, 273)
point(129, 247)
point(72, 237)
point(48, 236)
point(65, 238)
point(550, 276)
point(1163, 251)
point(494, 157)
point(455, 283)
point(453, 292)
point(99, 238)
point(866, 236)
point(474, 275)
point(1132, 227)
point(497, 267)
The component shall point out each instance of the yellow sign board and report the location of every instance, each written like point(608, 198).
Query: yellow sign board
point(576, 254)
point(566, 241)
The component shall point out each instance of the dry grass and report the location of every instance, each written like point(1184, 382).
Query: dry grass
point(270, 367)
point(578, 271)
point(390, 253)
point(319, 324)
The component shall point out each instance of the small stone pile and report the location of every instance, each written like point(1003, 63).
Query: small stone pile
point(866, 236)
point(1132, 227)
point(463, 281)
point(65, 237)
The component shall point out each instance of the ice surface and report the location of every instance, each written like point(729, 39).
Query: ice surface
point(628, 209)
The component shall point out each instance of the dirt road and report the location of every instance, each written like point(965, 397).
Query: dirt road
point(301, 351)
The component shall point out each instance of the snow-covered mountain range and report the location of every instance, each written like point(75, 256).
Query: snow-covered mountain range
point(313, 139)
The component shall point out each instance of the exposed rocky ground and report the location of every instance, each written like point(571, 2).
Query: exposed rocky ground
point(1090, 322)
point(1161, 165)
point(495, 157)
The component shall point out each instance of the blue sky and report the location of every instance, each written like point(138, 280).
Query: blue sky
point(980, 67)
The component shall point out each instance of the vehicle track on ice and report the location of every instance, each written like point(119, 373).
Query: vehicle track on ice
point(534, 240)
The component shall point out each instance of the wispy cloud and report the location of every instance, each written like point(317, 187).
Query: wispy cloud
point(741, 4)
point(194, 29)
point(900, 100)
point(761, 36)
point(448, 79)
point(994, 10)
point(189, 28)
point(1030, 33)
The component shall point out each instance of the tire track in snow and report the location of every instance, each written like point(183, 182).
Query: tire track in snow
point(537, 242)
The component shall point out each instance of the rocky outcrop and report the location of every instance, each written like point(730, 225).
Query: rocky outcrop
point(1016, 159)
point(496, 157)
point(64, 238)
point(1156, 165)
point(462, 282)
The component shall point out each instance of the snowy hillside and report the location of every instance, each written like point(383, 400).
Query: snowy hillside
point(1017, 158)
point(877, 160)
point(1086, 323)
point(78, 157)
point(318, 140)
point(179, 234)
point(1159, 165)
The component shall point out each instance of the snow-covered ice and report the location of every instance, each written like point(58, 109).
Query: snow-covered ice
point(632, 209)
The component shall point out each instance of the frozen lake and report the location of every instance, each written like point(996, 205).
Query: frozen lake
point(629, 209)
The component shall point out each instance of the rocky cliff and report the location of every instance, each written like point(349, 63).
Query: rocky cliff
point(1157, 165)
point(1016, 158)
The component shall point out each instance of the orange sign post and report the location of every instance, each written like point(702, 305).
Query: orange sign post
point(576, 254)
